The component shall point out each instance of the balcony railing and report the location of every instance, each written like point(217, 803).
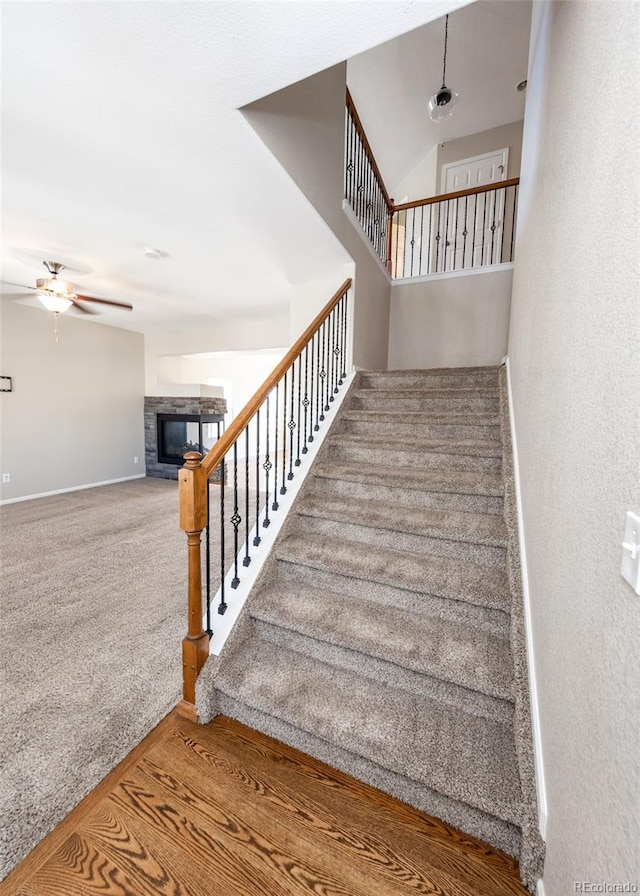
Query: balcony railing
point(458, 231)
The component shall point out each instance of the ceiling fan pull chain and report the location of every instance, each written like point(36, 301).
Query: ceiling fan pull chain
point(56, 315)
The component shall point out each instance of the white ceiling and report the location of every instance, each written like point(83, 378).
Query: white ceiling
point(120, 130)
point(487, 56)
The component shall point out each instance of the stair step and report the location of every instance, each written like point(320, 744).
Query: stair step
point(478, 538)
point(449, 651)
point(459, 482)
point(442, 378)
point(405, 452)
point(378, 429)
point(465, 583)
point(465, 757)
point(423, 400)
point(401, 496)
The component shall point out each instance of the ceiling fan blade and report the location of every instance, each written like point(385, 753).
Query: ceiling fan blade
point(125, 305)
point(78, 307)
point(19, 285)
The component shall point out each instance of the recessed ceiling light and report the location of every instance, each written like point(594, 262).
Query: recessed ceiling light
point(150, 252)
point(522, 86)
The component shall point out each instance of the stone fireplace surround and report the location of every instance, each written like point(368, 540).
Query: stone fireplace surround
point(154, 405)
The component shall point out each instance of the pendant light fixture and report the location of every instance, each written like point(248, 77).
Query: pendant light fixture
point(442, 103)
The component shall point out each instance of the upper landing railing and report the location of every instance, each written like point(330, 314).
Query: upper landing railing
point(467, 229)
point(254, 463)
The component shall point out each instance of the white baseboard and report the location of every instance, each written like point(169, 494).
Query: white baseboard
point(448, 275)
point(533, 690)
point(73, 488)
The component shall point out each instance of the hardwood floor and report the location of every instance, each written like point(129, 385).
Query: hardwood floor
point(220, 810)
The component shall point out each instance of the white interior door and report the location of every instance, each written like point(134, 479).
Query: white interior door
point(474, 224)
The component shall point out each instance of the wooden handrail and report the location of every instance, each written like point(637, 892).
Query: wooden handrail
point(431, 200)
point(215, 456)
point(367, 148)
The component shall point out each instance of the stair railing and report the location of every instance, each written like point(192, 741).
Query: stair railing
point(364, 187)
point(455, 231)
point(452, 232)
point(256, 459)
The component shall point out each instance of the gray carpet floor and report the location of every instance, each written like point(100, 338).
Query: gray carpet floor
point(380, 635)
point(93, 613)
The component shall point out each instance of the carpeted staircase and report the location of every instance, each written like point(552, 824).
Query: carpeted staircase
point(379, 635)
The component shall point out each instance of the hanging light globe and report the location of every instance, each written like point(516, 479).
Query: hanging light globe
point(444, 101)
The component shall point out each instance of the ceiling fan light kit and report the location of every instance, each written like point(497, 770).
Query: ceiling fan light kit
point(443, 101)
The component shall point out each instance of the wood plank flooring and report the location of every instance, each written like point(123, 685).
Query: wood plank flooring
point(220, 810)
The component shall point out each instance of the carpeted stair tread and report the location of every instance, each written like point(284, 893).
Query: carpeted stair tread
point(475, 528)
point(472, 447)
point(486, 418)
point(442, 648)
point(458, 481)
point(465, 757)
point(452, 579)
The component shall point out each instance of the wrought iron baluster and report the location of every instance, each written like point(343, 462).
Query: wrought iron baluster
point(331, 359)
point(396, 235)
point(247, 557)
point(326, 365)
point(312, 387)
point(299, 416)
point(283, 488)
point(494, 196)
point(429, 271)
point(438, 238)
point(421, 238)
point(475, 217)
point(322, 374)
point(343, 302)
point(236, 519)
point(305, 400)
point(513, 221)
point(318, 381)
point(465, 231)
point(340, 327)
point(275, 504)
point(208, 560)
point(446, 236)
point(484, 225)
point(504, 224)
point(256, 537)
point(413, 239)
point(455, 236)
point(292, 423)
point(222, 606)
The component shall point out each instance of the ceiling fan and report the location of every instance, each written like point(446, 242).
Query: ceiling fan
point(59, 295)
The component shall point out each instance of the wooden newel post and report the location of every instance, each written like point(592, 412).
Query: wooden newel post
point(192, 488)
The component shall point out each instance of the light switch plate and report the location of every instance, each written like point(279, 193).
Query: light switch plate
point(630, 568)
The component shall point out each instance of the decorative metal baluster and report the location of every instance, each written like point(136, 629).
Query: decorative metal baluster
point(336, 348)
point(222, 606)
point(413, 239)
point(347, 155)
point(246, 560)
point(475, 216)
point(256, 537)
point(343, 302)
point(323, 375)
point(236, 519)
point(326, 365)
point(292, 423)
point(484, 225)
point(283, 488)
point(331, 358)
point(305, 400)
point(429, 271)
point(465, 231)
point(513, 221)
point(207, 572)
point(421, 238)
point(318, 382)
point(275, 504)
point(396, 235)
point(312, 382)
point(504, 223)
point(299, 416)
point(438, 238)
point(455, 236)
point(446, 236)
point(340, 328)
point(494, 196)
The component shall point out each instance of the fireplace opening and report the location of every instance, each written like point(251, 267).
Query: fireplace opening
point(181, 433)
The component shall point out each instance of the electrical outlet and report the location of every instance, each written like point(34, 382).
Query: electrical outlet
point(630, 568)
point(135, 459)
point(6, 477)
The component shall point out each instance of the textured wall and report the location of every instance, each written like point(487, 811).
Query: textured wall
point(75, 415)
point(574, 350)
point(303, 126)
point(450, 322)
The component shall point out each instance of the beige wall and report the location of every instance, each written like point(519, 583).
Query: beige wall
point(450, 321)
point(574, 351)
point(303, 126)
point(508, 135)
point(75, 415)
